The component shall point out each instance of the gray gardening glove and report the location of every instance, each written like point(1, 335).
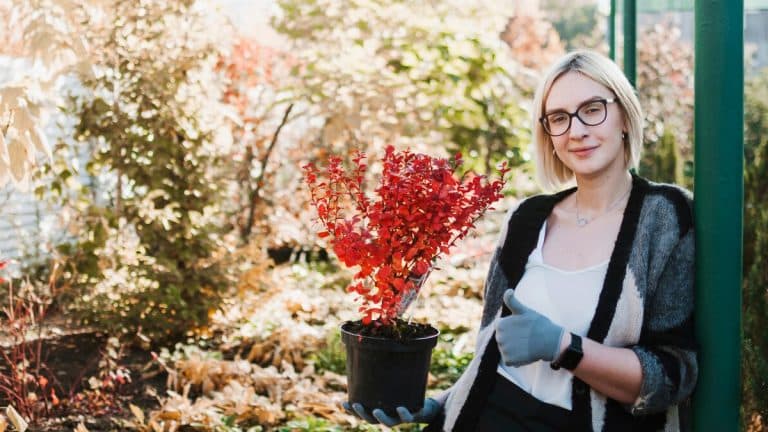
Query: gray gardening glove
point(426, 414)
point(525, 335)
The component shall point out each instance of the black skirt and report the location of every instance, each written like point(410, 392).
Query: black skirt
point(512, 409)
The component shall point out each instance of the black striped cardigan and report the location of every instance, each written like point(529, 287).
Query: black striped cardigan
point(646, 304)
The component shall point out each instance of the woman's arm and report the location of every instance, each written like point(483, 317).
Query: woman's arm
point(613, 372)
point(667, 346)
point(661, 369)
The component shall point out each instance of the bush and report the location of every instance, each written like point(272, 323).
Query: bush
point(144, 256)
point(665, 86)
point(754, 289)
point(333, 356)
point(446, 365)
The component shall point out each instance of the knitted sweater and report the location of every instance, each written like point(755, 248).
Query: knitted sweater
point(646, 304)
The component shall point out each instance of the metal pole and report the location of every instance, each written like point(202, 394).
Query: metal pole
point(630, 40)
point(612, 31)
point(719, 199)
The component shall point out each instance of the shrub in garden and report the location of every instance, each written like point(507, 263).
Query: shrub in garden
point(255, 75)
point(579, 26)
point(755, 284)
point(331, 357)
point(26, 382)
point(665, 87)
point(413, 74)
point(448, 366)
point(145, 251)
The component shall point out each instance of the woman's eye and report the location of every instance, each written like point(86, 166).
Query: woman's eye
point(557, 118)
point(592, 109)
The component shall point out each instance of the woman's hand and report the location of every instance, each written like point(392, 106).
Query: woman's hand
point(426, 414)
point(525, 335)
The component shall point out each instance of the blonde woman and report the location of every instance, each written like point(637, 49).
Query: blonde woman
point(588, 316)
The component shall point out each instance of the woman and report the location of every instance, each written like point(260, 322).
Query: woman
point(588, 317)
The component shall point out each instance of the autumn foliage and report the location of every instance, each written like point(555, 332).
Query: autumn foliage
point(420, 210)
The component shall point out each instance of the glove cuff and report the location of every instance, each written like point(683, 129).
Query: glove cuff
point(556, 351)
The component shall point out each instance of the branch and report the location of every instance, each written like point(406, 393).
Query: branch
point(254, 196)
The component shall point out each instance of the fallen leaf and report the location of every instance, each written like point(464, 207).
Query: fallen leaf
point(170, 415)
point(81, 428)
point(16, 419)
point(137, 412)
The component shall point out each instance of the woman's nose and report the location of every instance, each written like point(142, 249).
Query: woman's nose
point(578, 128)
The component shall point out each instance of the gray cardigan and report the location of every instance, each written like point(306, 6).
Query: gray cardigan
point(646, 304)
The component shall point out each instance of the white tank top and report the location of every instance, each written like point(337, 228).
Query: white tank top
point(569, 299)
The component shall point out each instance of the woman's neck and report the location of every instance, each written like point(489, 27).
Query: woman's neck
point(599, 193)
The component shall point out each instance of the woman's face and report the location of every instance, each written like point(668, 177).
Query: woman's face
point(589, 151)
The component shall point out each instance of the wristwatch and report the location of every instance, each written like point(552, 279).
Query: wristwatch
point(571, 356)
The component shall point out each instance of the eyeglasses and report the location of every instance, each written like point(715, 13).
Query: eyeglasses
point(590, 113)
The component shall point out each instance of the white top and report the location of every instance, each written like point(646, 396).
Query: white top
point(569, 299)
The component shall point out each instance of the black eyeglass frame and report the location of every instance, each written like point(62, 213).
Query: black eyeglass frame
point(604, 101)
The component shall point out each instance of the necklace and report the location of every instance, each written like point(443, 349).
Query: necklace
point(582, 221)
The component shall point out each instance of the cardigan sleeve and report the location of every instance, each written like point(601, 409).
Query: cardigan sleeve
point(667, 347)
point(496, 281)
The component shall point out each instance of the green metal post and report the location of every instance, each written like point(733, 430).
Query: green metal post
point(630, 40)
point(719, 199)
point(612, 31)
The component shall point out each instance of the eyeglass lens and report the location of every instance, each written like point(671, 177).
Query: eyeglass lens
point(591, 113)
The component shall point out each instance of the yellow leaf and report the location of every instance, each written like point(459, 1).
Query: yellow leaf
point(37, 137)
point(137, 412)
point(9, 94)
point(170, 415)
point(16, 419)
point(208, 386)
point(17, 153)
point(3, 423)
point(81, 428)
point(4, 176)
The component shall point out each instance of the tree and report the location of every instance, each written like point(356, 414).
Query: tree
point(255, 89)
point(533, 42)
point(579, 25)
point(665, 87)
point(754, 291)
point(417, 74)
point(22, 100)
point(148, 246)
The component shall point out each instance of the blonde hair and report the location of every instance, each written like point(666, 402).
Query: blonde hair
point(550, 170)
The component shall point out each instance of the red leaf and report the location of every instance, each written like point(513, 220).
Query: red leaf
point(422, 267)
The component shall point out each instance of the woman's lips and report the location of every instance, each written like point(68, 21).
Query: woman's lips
point(582, 151)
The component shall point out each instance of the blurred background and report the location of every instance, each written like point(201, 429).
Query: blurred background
point(162, 268)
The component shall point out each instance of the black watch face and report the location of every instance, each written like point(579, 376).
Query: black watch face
point(573, 354)
point(571, 359)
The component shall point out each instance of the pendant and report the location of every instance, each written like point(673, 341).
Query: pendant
point(581, 221)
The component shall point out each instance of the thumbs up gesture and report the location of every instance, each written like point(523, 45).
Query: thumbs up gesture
point(525, 335)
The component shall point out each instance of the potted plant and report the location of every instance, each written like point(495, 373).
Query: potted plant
point(420, 209)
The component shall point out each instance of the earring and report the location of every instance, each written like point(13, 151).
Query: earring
point(623, 135)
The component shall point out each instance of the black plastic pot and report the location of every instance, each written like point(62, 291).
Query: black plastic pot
point(384, 373)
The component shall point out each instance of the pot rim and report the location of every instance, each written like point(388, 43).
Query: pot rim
point(375, 341)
